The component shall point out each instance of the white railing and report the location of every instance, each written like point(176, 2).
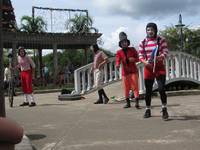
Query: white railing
point(179, 66)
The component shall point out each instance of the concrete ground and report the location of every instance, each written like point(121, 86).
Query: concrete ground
point(81, 125)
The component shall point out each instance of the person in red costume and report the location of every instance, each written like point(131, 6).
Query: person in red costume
point(152, 53)
point(128, 57)
point(26, 67)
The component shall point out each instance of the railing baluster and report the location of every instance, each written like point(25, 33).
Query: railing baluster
point(77, 81)
point(187, 67)
point(141, 79)
point(195, 70)
point(172, 68)
point(198, 70)
point(110, 70)
point(106, 73)
point(88, 80)
point(183, 66)
point(167, 69)
point(83, 82)
point(191, 68)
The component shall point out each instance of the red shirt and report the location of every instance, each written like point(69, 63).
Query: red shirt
point(127, 68)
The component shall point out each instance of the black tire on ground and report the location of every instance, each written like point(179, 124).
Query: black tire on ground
point(69, 97)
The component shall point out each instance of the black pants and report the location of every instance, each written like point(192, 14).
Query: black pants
point(161, 88)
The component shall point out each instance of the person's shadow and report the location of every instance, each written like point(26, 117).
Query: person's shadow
point(33, 137)
point(184, 117)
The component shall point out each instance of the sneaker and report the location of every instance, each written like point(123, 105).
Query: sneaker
point(147, 113)
point(32, 104)
point(24, 104)
point(165, 114)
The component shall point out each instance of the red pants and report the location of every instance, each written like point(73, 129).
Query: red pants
point(130, 82)
point(26, 81)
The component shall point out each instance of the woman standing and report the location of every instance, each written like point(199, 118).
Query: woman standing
point(26, 66)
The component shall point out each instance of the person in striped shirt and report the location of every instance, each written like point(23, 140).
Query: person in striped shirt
point(152, 53)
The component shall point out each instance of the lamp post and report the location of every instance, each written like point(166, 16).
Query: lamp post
point(180, 28)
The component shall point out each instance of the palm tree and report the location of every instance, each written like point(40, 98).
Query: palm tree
point(80, 24)
point(34, 25)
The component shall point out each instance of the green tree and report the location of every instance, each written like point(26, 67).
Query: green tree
point(80, 24)
point(172, 37)
point(191, 38)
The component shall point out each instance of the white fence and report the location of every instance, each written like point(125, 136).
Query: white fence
point(179, 66)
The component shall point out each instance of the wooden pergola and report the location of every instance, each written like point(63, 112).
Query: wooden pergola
point(49, 41)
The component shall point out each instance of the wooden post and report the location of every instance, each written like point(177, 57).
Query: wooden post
point(55, 62)
point(2, 98)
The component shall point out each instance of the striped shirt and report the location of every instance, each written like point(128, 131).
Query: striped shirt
point(147, 45)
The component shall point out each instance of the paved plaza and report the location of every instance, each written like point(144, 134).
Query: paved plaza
point(81, 125)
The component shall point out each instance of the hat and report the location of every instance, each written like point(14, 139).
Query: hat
point(153, 25)
point(122, 37)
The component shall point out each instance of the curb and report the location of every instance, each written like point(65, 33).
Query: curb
point(25, 144)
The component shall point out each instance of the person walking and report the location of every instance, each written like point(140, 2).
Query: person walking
point(100, 59)
point(26, 67)
point(152, 53)
point(128, 57)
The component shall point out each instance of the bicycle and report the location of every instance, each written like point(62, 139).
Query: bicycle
point(10, 92)
point(11, 82)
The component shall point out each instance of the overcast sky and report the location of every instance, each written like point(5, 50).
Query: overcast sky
point(131, 16)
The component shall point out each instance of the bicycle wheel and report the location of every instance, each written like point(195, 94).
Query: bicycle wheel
point(10, 93)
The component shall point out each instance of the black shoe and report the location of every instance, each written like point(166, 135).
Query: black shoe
point(165, 114)
point(32, 104)
point(147, 113)
point(106, 100)
point(24, 104)
point(98, 102)
point(137, 103)
point(128, 103)
point(127, 106)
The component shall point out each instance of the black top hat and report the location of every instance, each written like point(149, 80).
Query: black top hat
point(122, 37)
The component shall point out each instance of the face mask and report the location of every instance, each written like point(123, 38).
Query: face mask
point(150, 32)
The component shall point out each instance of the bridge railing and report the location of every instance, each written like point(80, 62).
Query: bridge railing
point(179, 66)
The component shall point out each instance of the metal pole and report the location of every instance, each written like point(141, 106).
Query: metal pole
point(2, 98)
point(51, 20)
point(180, 27)
point(181, 38)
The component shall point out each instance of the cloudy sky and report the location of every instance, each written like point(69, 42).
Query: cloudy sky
point(131, 16)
